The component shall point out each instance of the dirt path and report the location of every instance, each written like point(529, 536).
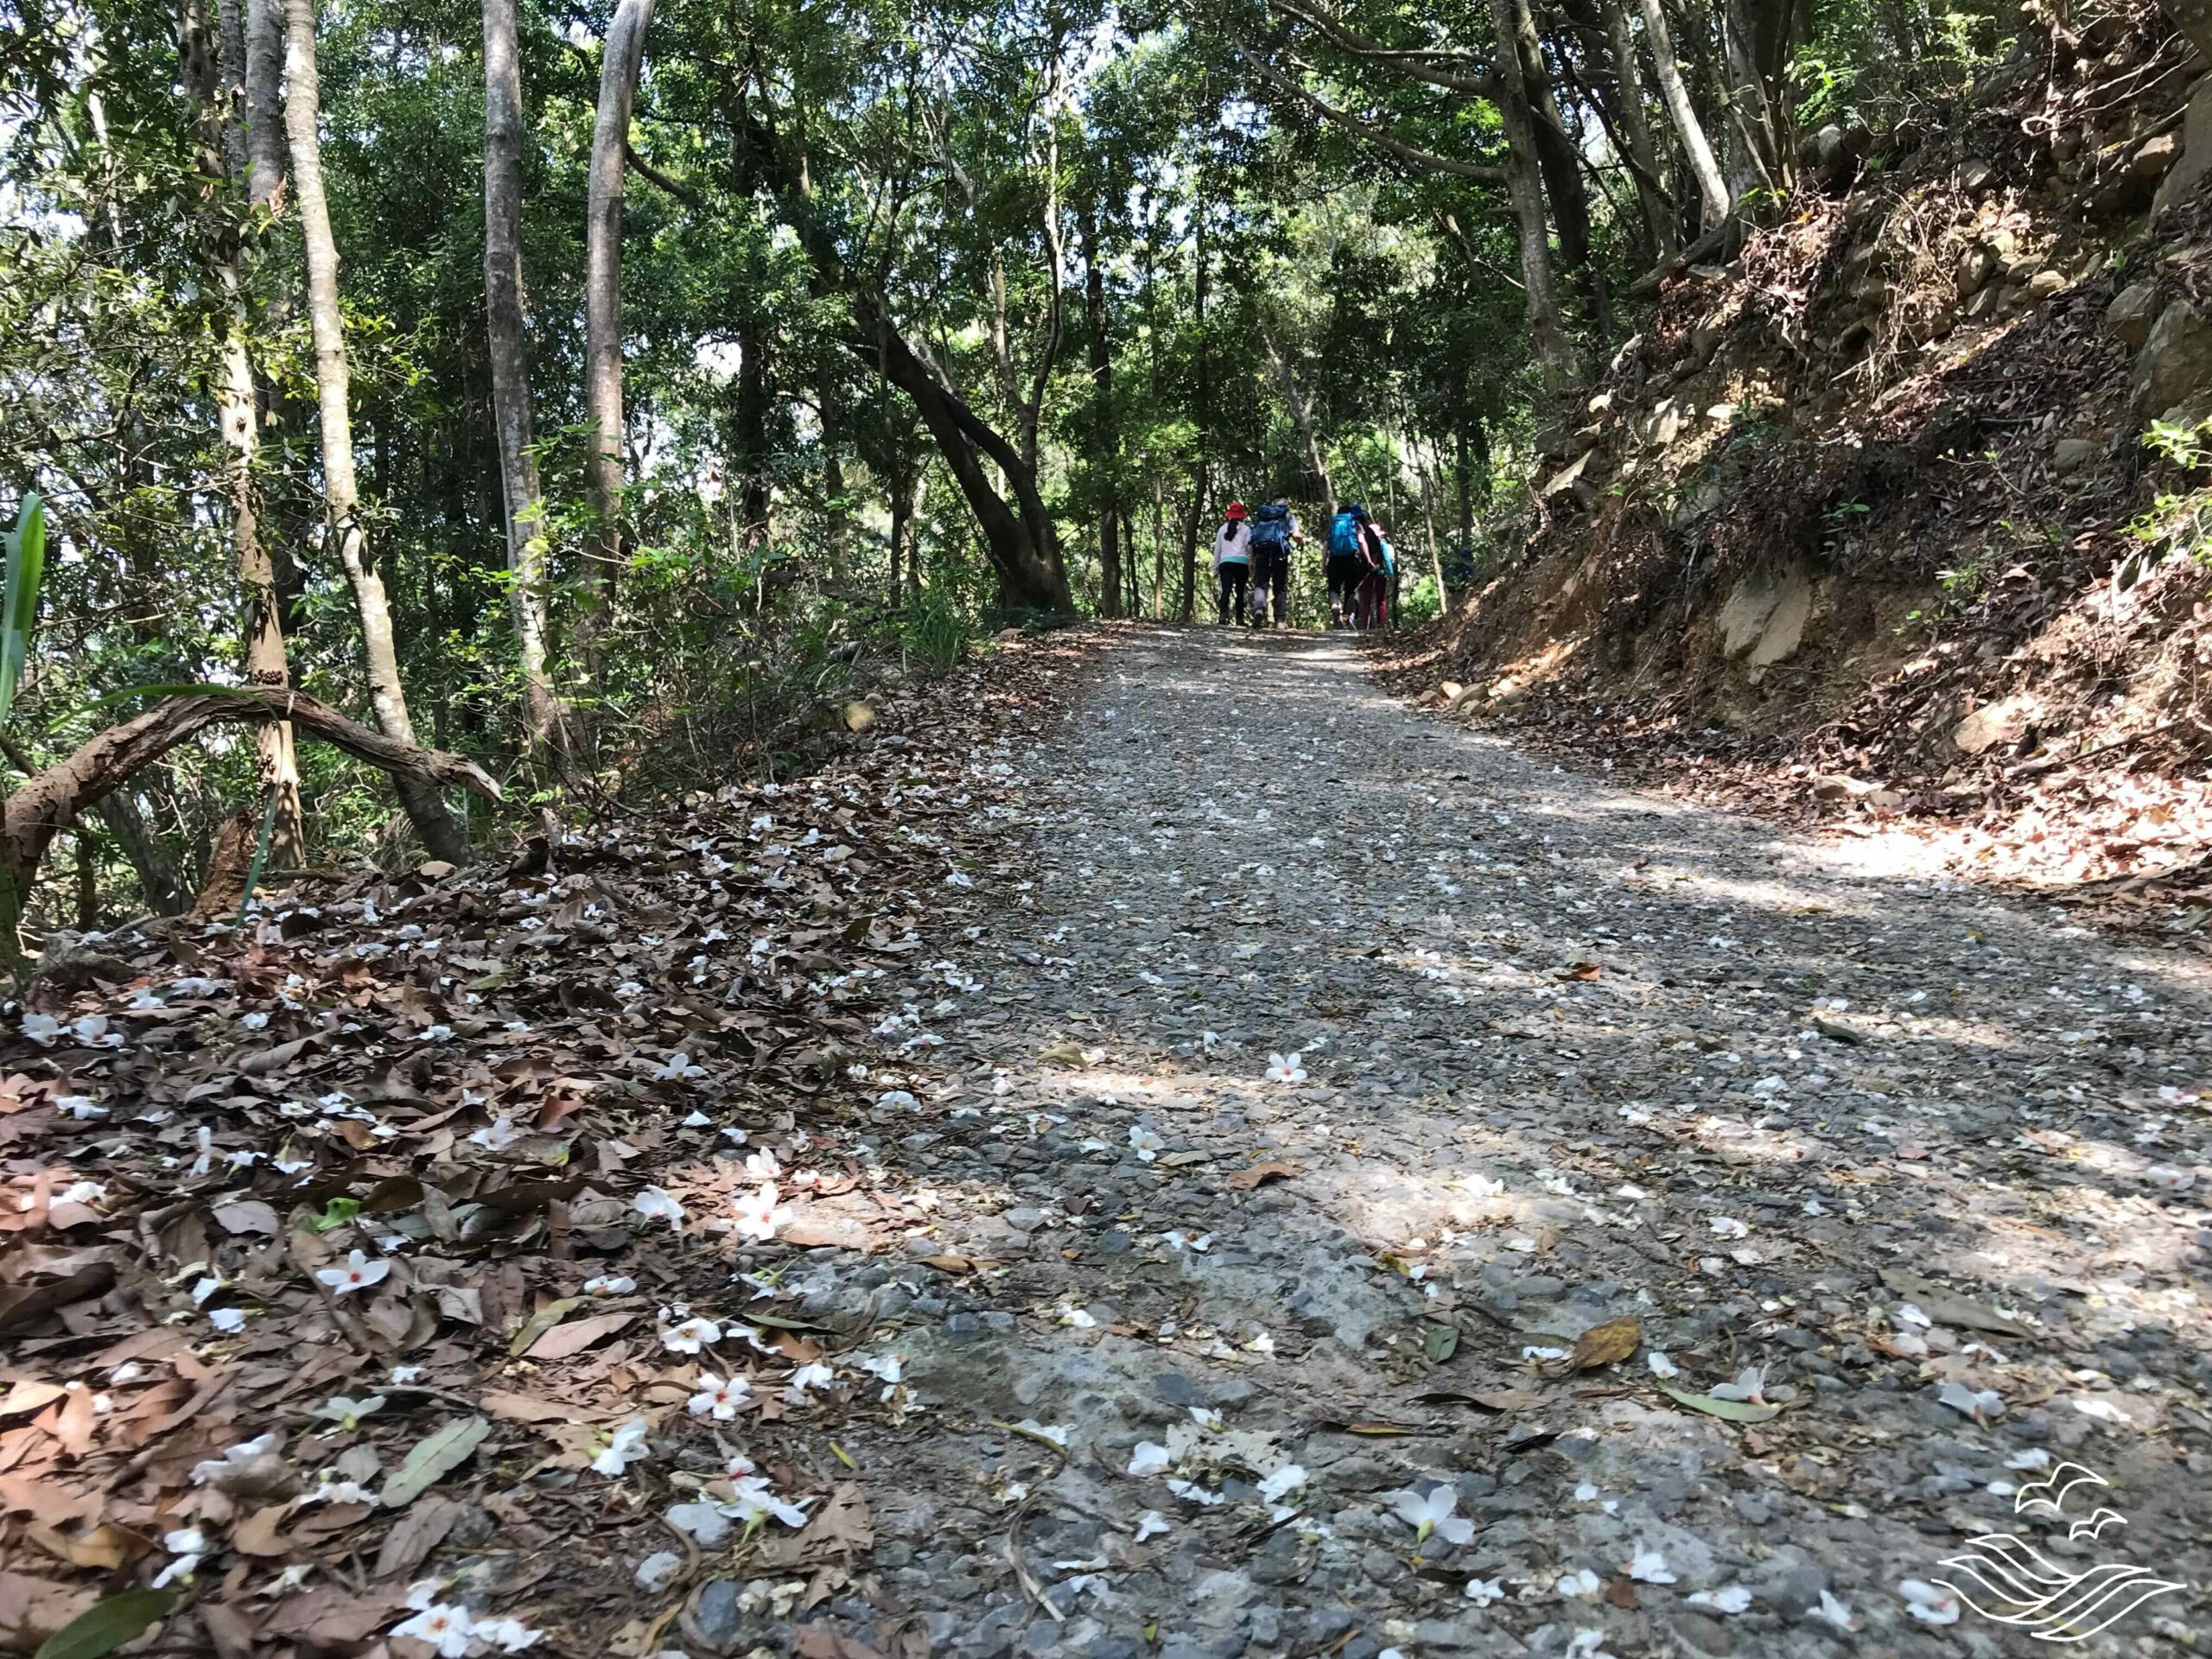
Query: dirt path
point(1573, 1056)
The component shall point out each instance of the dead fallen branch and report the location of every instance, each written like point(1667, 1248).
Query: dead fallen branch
point(50, 802)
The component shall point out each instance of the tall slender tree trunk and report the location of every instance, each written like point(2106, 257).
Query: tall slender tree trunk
point(237, 414)
point(1636, 128)
point(1554, 358)
point(426, 810)
point(1464, 473)
point(834, 518)
point(1105, 445)
point(753, 426)
point(624, 56)
point(1713, 189)
point(1201, 479)
point(1560, 162)
point(1302, 414)
point(507, 329)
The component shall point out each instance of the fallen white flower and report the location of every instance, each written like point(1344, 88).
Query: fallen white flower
point(359, 1274)
point(1650, 1567)
point(1432, 1511)
point(1928, 1604)
point(1732, 1601)
point(628, 1446)
point(1149, 1459)
point(654, 1204)
point(719, 1397)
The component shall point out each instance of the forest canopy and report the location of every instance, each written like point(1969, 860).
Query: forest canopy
point(589, 398)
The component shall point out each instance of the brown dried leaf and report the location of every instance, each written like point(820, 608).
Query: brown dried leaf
point(1260, 1174)
point(1606, 1344)
point(564, 1340)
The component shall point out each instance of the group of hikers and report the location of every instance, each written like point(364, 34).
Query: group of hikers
point(1251, 566)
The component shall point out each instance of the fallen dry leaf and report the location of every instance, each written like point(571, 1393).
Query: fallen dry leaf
point(1260, 1174)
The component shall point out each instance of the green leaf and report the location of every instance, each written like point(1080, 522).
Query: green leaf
point(540, 1322)
point(335, 1214)
point(26, 570)
point(1735, 1411)
point(106, 1625)
point(434, 1458)
point(1441, 1342)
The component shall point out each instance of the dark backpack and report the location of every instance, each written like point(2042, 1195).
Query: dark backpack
point(1271, 530)
point(1345, 541)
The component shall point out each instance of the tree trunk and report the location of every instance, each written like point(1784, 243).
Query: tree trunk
point(752, 427)
point(1302, 416)
point(1636, 129)
point(162, 887)
point(425, 810)
point(1561, 160)
point(237, 413)
point(506, 328)
point(1554, 358)
point(1020, 541)
point(833, 471)
point(1713, 189)
point(623, 58)
point(1195, 523)
point(1465, 475)
point(1105, 444)
point(264, 113)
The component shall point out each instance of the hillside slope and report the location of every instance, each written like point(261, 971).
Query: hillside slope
point(1865, 522)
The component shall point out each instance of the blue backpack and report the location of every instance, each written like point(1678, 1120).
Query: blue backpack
point(1344, 541)
point(1271, 529)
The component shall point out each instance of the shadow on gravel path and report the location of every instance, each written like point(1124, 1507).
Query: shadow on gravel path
point(1572, 1056)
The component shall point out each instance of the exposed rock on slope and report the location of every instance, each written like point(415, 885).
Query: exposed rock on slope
point(1872, 503)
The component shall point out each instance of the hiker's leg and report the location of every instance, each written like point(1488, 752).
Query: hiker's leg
point(1220, 594)
point(1240, 580)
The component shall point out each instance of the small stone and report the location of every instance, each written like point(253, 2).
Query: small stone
point(2072, 455)
point(2128, 318)
point(716, 1617)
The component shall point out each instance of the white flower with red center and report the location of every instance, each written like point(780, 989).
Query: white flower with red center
point(445, 1625)
point(719, 1397)
point(692, 1335)
point(357, 1273)
point(758, 1213)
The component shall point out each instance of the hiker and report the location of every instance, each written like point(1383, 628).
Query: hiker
point(1383, 571)
point(1232, 564)
point(1350, 561)
point(1275, 531)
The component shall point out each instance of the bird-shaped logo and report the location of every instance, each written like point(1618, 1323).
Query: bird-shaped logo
point(2003, 1578)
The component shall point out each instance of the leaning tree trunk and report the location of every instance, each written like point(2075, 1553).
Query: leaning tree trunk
point(1713, 189)
point(1030, 575)
point(52, 800)
point(505, 328)
point(236, 404)
point(425, 810)
point(1020, 540)
point(1555, 359)
point(623, 58)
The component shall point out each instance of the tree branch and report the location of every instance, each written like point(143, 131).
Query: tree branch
point(1413, 153)
point(50, 802)
point(675, 186)
point(1480, 83)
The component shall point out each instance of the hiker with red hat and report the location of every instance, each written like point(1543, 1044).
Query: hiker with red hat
point(1232, 565)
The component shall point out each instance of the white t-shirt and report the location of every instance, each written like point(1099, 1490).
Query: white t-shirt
point(1232, 543)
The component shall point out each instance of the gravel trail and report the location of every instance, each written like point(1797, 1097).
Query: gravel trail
point(1921, 1168)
